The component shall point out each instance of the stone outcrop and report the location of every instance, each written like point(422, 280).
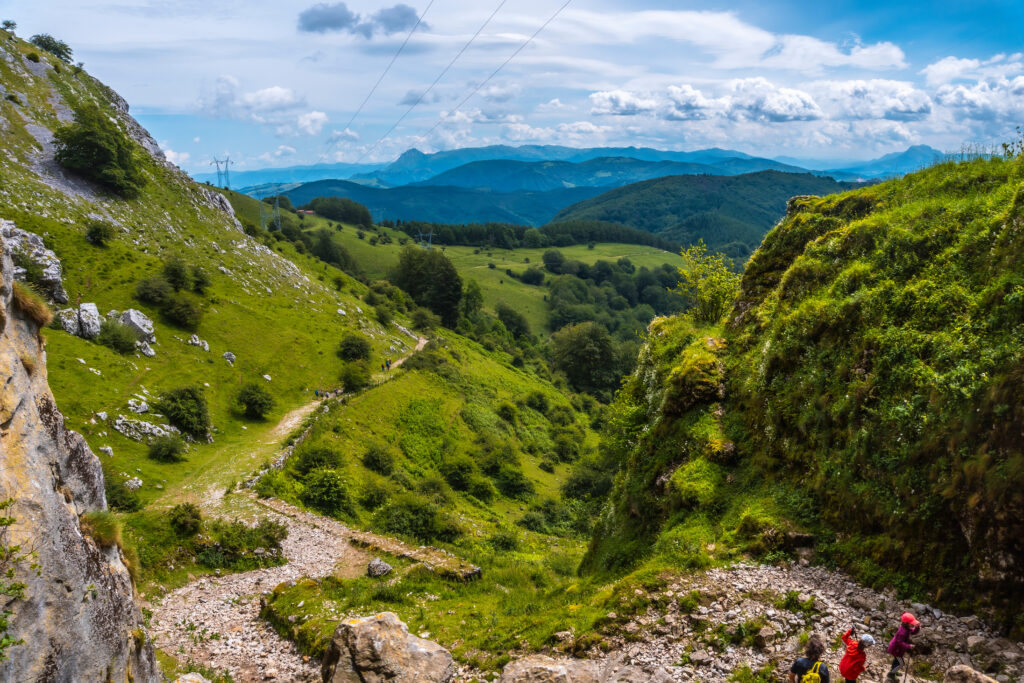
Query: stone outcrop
point(378, 568)
point(78, 620)
point(84, 321)
point(380, 648)
point(965, 674)
point(543, 669)
point(31, 245)
point(140, 323)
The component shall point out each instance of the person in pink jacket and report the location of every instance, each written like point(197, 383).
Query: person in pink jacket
point(900, 644)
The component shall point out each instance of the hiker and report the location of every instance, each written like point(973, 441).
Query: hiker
point(900, 644)
point(809, 668)
point(316, 393)
point(389, 364)
point(855, 660)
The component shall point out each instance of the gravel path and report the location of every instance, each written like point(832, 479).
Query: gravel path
point(215, 621)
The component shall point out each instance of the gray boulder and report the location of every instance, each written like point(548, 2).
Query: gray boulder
point(229, 357)
point(31, 245)
point(145, 349)
point(194, 340)
point(380, 648)
point(378, 568)
point(85, 321)
point(140, 323)
point(616, 669)
point(965, 674)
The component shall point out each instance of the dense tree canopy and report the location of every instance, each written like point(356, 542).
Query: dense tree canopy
point(585, 353)
point(95, 148)
point(430, 278)
point(341, 209)
point(58, 48)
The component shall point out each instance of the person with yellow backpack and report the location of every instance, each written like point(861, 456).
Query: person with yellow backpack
point(810, 668)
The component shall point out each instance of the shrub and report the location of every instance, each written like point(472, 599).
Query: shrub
point(379, 459)
point(186, 409)
point(100, 233)
point(513, 483)
point(95, 148)
point(537, 401)
point(383, 314)
point(120, 497)
point(233, 542)
point(31, 304)
point(185, 519)
point(548, 465)
point(435, 489)
point(255, 400)
point(481, 489)
point(102, 526)
point(354, 346)
point(424, 319)
point(57, 48)
point(32, 57)
point(505, 540)
point(309, 458)
point(153, 290)
point(200, 279)
point(412, 515)
point(167, 449)
point(181, 310)
point(327, 492)
point(355, 376)
point(177, 273)
point(117, 336)
point(374, 495)
point(534, 521)
point(507, 412)
point(458, 472)
point(585, 481)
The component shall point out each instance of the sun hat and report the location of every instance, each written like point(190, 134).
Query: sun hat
point(867, 640)
point(909, 618)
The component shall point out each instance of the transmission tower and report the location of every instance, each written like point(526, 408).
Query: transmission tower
point(263, 211)
point(223, 177)
point(277, 210)
point(220, 174)
point(426, 241)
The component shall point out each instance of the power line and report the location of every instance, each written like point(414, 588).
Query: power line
point(502, 66)
point(436, 80)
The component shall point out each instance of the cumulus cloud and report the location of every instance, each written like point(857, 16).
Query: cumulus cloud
point(757, 99)
point(686, 103)
point(875, 99)
point(414, 97)
point(337, 17)
point(552, 105)
point(225, 99)
point(282, 151)
point(620, 103)
point(274, 98)
point(312, 122)
point(500, 93)
point(949, 69)
point(989, 100)
point(481, 116)
point(176, 158)
point(347, 135)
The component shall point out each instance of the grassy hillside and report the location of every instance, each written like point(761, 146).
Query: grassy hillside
point(866, 390)
point(377, 258)
point(730, 213)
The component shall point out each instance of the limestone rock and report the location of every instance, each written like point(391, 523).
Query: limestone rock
point(140, 430)
point(107, 450)
point(194, 340)
point(85, 321)
point(140, 323)
point(191, 678)
point(229, 357)
point(380, 648)
point(377, 568)
point(544, 669)
point(145, 349)
point(78, 615)
point(965, 674)
point(31, 245)
point(133, 484)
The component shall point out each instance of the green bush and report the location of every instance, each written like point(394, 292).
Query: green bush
point(504, 540)
point(57, 48)
point(459, 471)
point(412, 515)
point(233, 544)
point(95, 148)
point(120, 497)
point(327, 491)
point(507, 412)
point(383, 314)
point(255, 400)
point(185, 519)
point(180, 309)
point(32, 57)
point(168, 448)
point(374, 494)
point(435, 489)
point(424, 319)
point(186, 409)
point(200, 279)
point(547, 465)
point(100, 233)
point(379, 459)
point(177, 273)
point(117, 336)
point(153, 290)
point(355, 376)
point(103, 527)
point(481, 489)
point(354, 346)
point(309, 458)
point(513, 483)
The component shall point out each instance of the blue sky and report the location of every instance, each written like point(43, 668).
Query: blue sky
point(275, 83)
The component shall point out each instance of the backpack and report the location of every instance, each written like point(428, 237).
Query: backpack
point(812, 676)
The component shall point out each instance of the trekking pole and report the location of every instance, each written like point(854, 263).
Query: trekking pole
point(907, 670)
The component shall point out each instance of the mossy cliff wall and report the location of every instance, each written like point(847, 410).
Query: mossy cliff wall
point(78, 620)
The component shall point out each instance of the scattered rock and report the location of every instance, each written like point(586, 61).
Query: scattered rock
point(618, 669)
point(30, 244)
point(140, 323)
point(380, 648)
point(85, 321)
point(965, 674)
point(194, 340)
point(138, 406)
point(133, 484)
point(107, 450)
point(266, 377)
point(229, 357)
point(191, 678)
point(377, 568)
point(101, 416)
point(140, 430)
point(145, 349)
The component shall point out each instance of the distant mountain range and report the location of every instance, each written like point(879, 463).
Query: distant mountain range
point(447, 204)
point(289, 174)
point(730, 213)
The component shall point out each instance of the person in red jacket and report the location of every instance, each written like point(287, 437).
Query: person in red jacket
point(854, 661)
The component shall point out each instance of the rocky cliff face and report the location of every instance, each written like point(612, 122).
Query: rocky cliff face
point(78, 620)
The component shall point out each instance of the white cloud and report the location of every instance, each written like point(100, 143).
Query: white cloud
point(177, 158)
point(949, 69)
point(995, 99)
point(195, 139)
point(759, 100)
point(552, 105)
point(687, 103)
point(481, 116)
point(274, 98)
point(500, 93)
point(282, 152)
point(312, 122)
point(875, 99)
point(620, 103)
point(347, 135)
point(225, 99)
